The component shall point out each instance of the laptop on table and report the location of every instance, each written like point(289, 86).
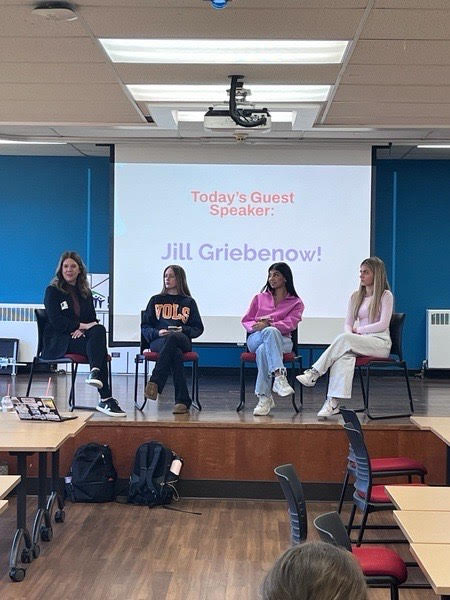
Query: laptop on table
point(38, 409)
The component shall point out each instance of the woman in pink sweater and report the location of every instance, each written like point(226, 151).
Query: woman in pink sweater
point(272, 316)
point(366, 334)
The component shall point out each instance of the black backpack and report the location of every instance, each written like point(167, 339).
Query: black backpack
point(92, 476)
point(152, 482)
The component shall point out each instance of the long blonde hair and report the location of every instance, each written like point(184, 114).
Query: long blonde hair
point(380, 285)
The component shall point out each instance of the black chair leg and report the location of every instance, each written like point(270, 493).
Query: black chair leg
point(30, 379)
point(292, 384)
point(405, 370)
point(363, 527)
point(352, 518)
point(195, 401)
point(73, 375)
point(136, 375)
point(363, 392)
point(241, 404)
point(344, 488)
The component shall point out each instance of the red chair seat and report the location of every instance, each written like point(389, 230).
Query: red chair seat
point(379, 494)
point(362, 361)
point(379, 561)
point(78, 358)
point(399, 463)
point(251, 357)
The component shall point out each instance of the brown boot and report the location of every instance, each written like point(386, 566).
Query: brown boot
point(180, 409)
point(151, 390)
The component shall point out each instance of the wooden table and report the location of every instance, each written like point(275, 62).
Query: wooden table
point(424, 527)
point(434, 560)
point(8, 483)
point(22, 438)
point(440, 426)
point(428, 498)
point(3, 505)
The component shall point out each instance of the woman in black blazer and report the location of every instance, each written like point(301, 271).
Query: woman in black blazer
point(72, 327)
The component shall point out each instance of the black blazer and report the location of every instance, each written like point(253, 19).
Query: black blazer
point(62, 320)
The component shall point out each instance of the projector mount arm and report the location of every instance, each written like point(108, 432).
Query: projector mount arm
point(237, 114)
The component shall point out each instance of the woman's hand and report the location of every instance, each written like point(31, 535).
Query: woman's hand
point(77, 334)
point(163, 332)
point(261, 324)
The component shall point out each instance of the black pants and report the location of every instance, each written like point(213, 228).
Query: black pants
point(170, 348)
point(93, 345)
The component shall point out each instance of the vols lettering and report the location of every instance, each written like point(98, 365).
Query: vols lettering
point(170, 311)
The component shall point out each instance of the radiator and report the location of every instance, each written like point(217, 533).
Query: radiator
point(438, 338)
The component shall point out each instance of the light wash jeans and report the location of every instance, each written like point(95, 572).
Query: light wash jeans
point(269, 346)
point(341, 355)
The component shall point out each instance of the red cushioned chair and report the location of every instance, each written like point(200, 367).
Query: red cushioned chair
point(381, 566)
point(381, 467)
point(289, 358)
point(145, 356)
point(366, 497)
point(366, 363)
point(68, 359)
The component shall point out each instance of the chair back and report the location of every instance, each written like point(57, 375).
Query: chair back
point(363, 476)
point(351, 417)
point(396, 332)
point(41, 320)
point(293, 492)
point(331, 529)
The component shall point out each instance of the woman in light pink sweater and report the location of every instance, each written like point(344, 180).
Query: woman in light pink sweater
point(366, 334)
point(272, 316)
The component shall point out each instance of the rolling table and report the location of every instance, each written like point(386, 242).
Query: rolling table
point(22, 438)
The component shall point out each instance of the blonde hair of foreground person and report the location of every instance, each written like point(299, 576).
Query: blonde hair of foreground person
point(315, 571)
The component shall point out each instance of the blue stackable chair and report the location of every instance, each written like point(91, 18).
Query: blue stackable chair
point(293, 492)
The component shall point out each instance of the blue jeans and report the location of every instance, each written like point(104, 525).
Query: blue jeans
point(269, 346)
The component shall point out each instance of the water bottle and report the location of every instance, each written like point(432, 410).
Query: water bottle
point(7, 404)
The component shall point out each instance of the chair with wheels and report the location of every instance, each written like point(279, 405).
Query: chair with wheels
point(145, 356)
point(366, 363)
point(381, 566)
point(289, 359)
point(381, 467)
point(68, 359)
point(293, 492)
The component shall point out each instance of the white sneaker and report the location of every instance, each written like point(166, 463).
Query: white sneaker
point(330, 407)
point(265, 403)
point(308, 378)
point(281, 386)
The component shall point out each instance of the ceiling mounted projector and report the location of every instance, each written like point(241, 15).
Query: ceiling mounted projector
point(55, 11)
point(218, 117)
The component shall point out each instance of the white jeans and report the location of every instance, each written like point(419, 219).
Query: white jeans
point(341, 355)
point(269, 346)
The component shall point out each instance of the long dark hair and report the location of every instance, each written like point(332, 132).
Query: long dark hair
point(81, 284)
point(180, 276)
point(285, 270)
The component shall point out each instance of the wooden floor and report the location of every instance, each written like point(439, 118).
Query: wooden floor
point(121, 552)
point(219, 395)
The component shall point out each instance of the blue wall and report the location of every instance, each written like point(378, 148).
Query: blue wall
point(412, 230)
point(48, 205)
point(51, 204)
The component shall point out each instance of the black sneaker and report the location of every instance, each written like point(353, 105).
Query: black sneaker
point(94, 378)
point(111, 408)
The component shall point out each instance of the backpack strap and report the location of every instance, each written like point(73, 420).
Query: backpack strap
point(147, 475)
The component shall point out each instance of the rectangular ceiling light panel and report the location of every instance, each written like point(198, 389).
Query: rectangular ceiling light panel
point(244, 52)
point(218, 93)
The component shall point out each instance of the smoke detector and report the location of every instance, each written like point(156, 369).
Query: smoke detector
point(55, 11)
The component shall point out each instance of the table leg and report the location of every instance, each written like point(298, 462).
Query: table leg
point(42, 528)
point(56, 496)
point(22, 550)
